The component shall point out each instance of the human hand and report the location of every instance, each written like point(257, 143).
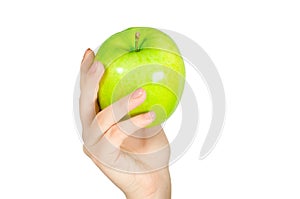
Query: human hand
point(133, 157)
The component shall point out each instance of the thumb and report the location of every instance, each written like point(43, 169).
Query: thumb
point(90, 78)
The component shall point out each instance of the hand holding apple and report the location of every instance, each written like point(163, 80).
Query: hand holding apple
point(125, 160)
point(142, 58)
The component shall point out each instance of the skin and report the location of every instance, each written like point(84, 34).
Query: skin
point(118, 147)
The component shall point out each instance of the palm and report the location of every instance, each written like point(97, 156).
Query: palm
point(134, 165)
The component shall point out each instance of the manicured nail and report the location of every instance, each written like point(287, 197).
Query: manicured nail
point(85, 54)
point(138, 93)
point(151, 115)
point(93, 67)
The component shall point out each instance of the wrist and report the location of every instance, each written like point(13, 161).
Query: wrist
point(160, 193)
point(157, 188)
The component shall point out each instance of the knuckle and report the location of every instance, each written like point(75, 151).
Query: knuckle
point(116, 133)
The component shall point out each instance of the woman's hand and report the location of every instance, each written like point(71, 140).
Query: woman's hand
point(133, 157)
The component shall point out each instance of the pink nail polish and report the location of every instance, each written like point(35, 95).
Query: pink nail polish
point(85, 54)
point(151, 115)
point(138, 93)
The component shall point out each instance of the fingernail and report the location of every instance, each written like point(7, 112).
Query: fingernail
point(85, 54)
point(151, 115)
point(93, 67)
point(138, 93)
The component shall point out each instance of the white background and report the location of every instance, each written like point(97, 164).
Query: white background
point(254, 44)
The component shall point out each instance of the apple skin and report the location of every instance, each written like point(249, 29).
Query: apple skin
point(154, 64)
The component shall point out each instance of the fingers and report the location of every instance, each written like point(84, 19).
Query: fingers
point(107, 150)
point(146, 140)
point(90, 85)
point(90, 75)
point(120, 131)
point(87, 60)
point(113, 113)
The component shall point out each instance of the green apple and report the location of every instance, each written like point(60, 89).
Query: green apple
point(147, 58)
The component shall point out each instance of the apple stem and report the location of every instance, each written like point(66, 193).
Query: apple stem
point(137, 38)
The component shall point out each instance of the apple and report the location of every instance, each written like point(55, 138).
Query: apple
point(142, 57)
